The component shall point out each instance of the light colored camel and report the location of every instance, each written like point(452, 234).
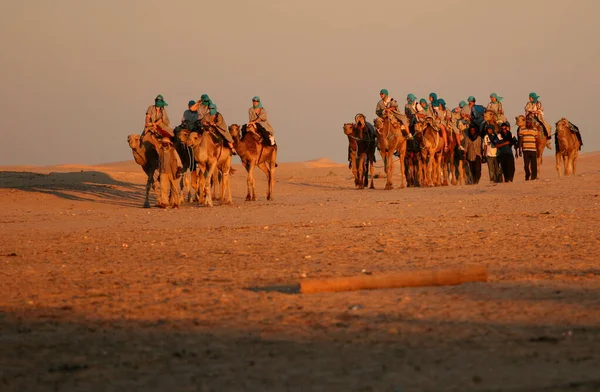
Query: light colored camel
point(490, 117)
point(390, 139)
point(432, 149)
point(567, 148)
point(540, 142)
point(146, 155)
point(254, 153)
point(211, 156)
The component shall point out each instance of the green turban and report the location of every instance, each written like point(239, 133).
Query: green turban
point(494, 95)
point(534, 96)
point(462, 104)
point(159, 101)
point(411, 97)
point(471, 99)
point(384, 91)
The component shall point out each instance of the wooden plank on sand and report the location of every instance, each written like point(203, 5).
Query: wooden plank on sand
point(439, 277)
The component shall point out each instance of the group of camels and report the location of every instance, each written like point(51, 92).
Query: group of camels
point(433, 164)
point(206, 161)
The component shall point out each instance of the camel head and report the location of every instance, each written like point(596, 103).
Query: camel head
point(490, 116)
point(183, 135)
point(134, 141)
point(348, 129)
point(419, 127)
point(234, 130)
point(562, 123)
point(193, 139)
point(428, 121)
point(378, 124)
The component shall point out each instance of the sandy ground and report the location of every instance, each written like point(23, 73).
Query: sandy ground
point(99, 294)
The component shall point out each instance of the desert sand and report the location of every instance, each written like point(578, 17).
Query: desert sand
point(99, 294)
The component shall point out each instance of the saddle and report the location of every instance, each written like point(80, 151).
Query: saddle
point(262, 136)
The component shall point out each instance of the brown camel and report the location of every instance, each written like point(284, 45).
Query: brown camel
point(391, 138)
point(210, 155)
point(253, 153)
point(432, 149)
point(540, 142)
point(361, 147)
point(567, 148)
point(449, 167)
point(189, 178)
point(145, 154)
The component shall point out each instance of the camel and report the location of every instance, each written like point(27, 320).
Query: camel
point(449, 165)
point(540, 143)
point(362, 152)
point(391, 138)
point(253, 153)
point(145, 153)
point(211, 154)
point(432, 149)
point(490, 117)
point(189, 176)
point(567, 148)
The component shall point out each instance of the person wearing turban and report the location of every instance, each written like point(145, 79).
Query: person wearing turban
point(495, 106)
point(535, 110)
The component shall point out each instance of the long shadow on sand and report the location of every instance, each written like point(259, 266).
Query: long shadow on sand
point(57, 349)
point(90, 186)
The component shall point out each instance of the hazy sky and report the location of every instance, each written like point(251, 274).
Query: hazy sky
point(77, 76)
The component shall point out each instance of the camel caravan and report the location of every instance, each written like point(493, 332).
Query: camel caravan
point(192, 163)
point(437, 146)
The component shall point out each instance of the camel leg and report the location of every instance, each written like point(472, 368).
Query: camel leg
point(389, 169)
point(156, 185)
point(568, 165)
point(428, 165)
point(401, 156)
point(251, 195)
point(187, 182)
point(360, 172)
point(444, 170)
point(194, 186)
point(208, 201)
point(226, 184)
point(149, 184)
point(452, 167)
point(575, 155)
point(558, 160)
point(354, 168)
point(372, 172)
point(438, 169)
point(269, 169)
point(271, 177)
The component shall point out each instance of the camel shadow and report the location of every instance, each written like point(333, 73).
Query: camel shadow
point(88, 186)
